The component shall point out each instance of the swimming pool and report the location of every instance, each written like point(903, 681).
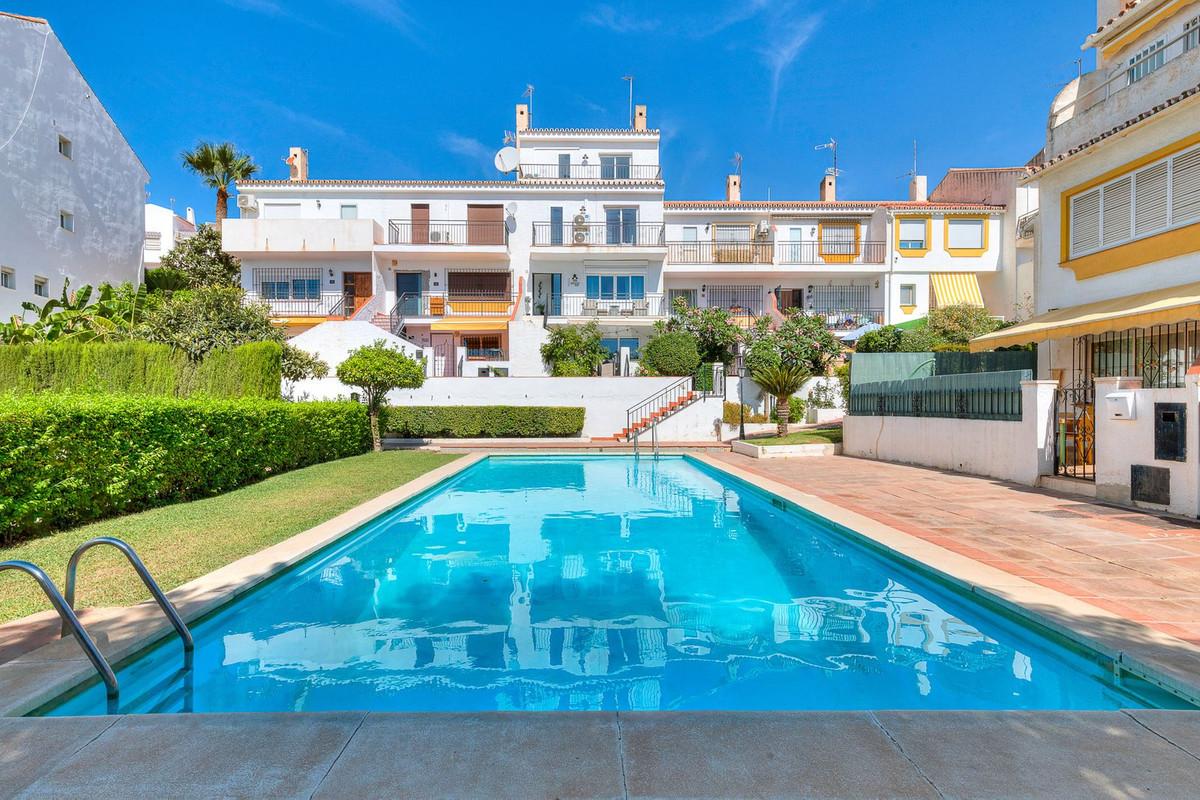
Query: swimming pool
point(602, 582)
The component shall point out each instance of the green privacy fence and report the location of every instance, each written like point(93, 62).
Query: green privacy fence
point(876, 367)
point(980, 395)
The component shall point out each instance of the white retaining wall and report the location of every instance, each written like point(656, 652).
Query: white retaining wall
point(1015, 451)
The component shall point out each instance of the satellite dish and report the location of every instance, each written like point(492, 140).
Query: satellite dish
point(511, 209)
point(507, 159)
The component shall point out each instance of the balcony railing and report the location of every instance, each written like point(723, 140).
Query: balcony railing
point(848, 319)
point(326, 304)
point(822, 253)
point(452, 234)
point(482, 303)
point(602, 234)
point(757, 252)
point(578, 305)
point(485, 354)
point(591, 172)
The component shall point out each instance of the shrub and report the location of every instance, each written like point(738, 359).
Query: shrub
point(842, 373)
point(714, 329)
point(960, 323)
point(201, 260)
point(574, 351)
point(881, 340)
point(377, 369)
point(732, 416)
point(70, 459)
point(801, 340)
point(251, 370)
point(468, 422)
point(797, 408)
point(671, 353)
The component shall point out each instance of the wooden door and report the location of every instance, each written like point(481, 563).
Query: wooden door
point(420, 223)
point(357, 288)
point(485, 224)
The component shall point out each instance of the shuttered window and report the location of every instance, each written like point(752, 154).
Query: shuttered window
point(838, 239)
point(1155, 198)
point(965, 234)
point(912, 234)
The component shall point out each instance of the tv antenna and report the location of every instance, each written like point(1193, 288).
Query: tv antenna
point(630, 79)
point(912, 173)
point(830, 145)
point(737, 163)
point(529, 93)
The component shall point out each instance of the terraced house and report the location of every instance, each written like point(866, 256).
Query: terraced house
point(474, 273)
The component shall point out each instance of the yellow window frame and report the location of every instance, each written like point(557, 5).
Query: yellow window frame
point(965, 252)
point(919, 252)
point(839, 258)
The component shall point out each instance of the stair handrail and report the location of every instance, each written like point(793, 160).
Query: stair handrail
point(396, 315)
point(656, 401)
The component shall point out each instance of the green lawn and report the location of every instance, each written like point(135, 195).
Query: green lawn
point(813, 436)
point(186, 540)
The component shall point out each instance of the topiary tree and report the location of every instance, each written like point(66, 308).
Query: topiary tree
point(377, 369)
point(202, 262)
point(881, 340)
point(574, 351)
point(670, 353)
point(782, 381)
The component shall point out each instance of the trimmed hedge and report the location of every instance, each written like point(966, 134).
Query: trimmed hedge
point(251, 370)
point(470, 422)
point(70, 459)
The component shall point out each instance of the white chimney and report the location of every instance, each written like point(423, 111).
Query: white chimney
point(917, 189)
point(733, 188)
point(190, 215)
point(297, 162)
point(828, 189)
point(639, 118)
point(522, 117)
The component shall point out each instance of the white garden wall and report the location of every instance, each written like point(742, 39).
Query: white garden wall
point(1015, 451)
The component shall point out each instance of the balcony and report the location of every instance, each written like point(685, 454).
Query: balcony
point(323, 305)
point(848, 319)
point(757, 252)
point(479, 306)
point(458, 233)
point(598, 234)
point(827, 253)
point(590, 172)
point(253, 237)
point(648, 308)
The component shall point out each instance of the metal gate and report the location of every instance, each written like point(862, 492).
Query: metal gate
point(1075, 417)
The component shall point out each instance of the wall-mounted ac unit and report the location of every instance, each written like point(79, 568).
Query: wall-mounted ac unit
point(580, 237)
point(435, 236)
point(246, 201)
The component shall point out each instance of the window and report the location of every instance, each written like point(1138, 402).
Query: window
point(614, 168)
point(66, 221)
point(349, 212)
point(41, 287)
point(153, 240)
point(1145, 62)
point(620, 225)
point(912, 234)
point(965, 234)
point(615, 287)
point(1152, 199)
point(556, 225)
point(306, 288)
point(688, 296)
point(564, 165)
point(1191, 34)
point(274, 290)
point(908, 294)
point(614, 344)
point(8, 278)
point(838, 238)
point(64, 146)
point(280, 211)
point(486, 346)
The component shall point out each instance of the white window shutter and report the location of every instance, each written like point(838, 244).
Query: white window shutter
point(1150, 193)
point(912, 230)
point(965, 234)
point(1085, 222)
point(1117, 211)
point(1185, 187)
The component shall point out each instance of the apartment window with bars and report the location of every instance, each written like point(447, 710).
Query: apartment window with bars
point(1145, 62)
point(1191, 34)
point(826, 299)
point(288, 284)
point(153, 240)
point(1144, 202)
point(41, 287)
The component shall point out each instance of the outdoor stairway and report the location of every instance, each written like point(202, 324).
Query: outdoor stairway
point(645, 416)
point(657, 415)
point(382, 320)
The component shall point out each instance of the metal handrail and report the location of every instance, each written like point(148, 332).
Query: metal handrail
point(440, 233)
point(147, 579)
point(591, 172)
point(598, 234)
point(71, 623)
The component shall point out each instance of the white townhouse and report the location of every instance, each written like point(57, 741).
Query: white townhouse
point(164, 230)
point(1118, 257)
point(73, 189)
point(474, 273)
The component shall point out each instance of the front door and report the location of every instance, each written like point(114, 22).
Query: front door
point(791, 298)
point(408, 293)
point(356, 286)
point(547, 293)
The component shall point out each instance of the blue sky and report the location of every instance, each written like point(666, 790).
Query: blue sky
point(406, 89)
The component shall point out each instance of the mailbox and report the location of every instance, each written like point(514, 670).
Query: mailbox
point(1170, 432)
point(1120, 405)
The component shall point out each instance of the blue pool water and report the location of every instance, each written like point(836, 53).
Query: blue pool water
point(604, 583)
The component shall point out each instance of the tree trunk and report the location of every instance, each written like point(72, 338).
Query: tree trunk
point(376, 441)
point(222, 206)
point(782, 412)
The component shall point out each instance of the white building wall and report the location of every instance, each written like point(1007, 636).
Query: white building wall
point(167, 228)
point(102, 184)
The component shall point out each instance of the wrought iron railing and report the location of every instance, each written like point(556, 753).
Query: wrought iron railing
point(327, 304)
point(981, 395)
point(485, 354)
point(847, 319)
point(457, 233)
point(757, 252)
point(831, 252)
point(591, 172)
point(578, 305)
point(610, 234)
point(450, 304)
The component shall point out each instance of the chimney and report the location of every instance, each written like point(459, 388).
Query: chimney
point(828, 189)
point(639, 118)
point(190, 215)
point(917, 189)
point(297, 162)
point(522, 117)
point(733, 188)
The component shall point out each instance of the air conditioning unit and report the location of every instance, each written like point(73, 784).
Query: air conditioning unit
point(246, 201)
point(580, 237)
point(764, 228)
point(579, 220)
point(435, 236)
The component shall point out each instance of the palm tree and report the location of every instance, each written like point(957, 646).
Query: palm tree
point(219, 165)
point(782, 381)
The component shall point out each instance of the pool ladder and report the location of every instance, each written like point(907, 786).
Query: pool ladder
point(70, 620)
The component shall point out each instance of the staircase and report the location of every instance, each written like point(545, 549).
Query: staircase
point(382, 320)
point(646, 415)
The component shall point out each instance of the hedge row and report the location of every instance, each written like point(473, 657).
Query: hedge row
point(69, 459)
point(469, 422)
point(251, 370)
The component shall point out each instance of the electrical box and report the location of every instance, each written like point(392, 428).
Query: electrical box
point(1170, 432)
point(1120, 405)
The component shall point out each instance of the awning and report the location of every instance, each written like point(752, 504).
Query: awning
point(1160, 307)
point(476, 324)
point(953, 288)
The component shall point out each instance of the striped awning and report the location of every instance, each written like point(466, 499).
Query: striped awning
point(953, 288)
point(1160, 307)
point(473, 324)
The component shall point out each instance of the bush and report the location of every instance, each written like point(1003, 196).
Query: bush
point(881, 340)
point(732, 416)
point(202, 262)
point(671, 353)
point(469, 422)
point(251, 370)
point(797, 409)
point(70, 459)
point(574, 351)
point(842, 373)
point(960, 323)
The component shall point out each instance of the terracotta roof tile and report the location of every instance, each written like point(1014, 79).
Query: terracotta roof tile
point(818, 205)
point(442, 184)
point(588, 131)
point(36, 20)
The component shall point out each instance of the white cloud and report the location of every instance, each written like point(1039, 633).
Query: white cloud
point(389, 12)
point(619, 21)
point(469, 148)
point(782, 48)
